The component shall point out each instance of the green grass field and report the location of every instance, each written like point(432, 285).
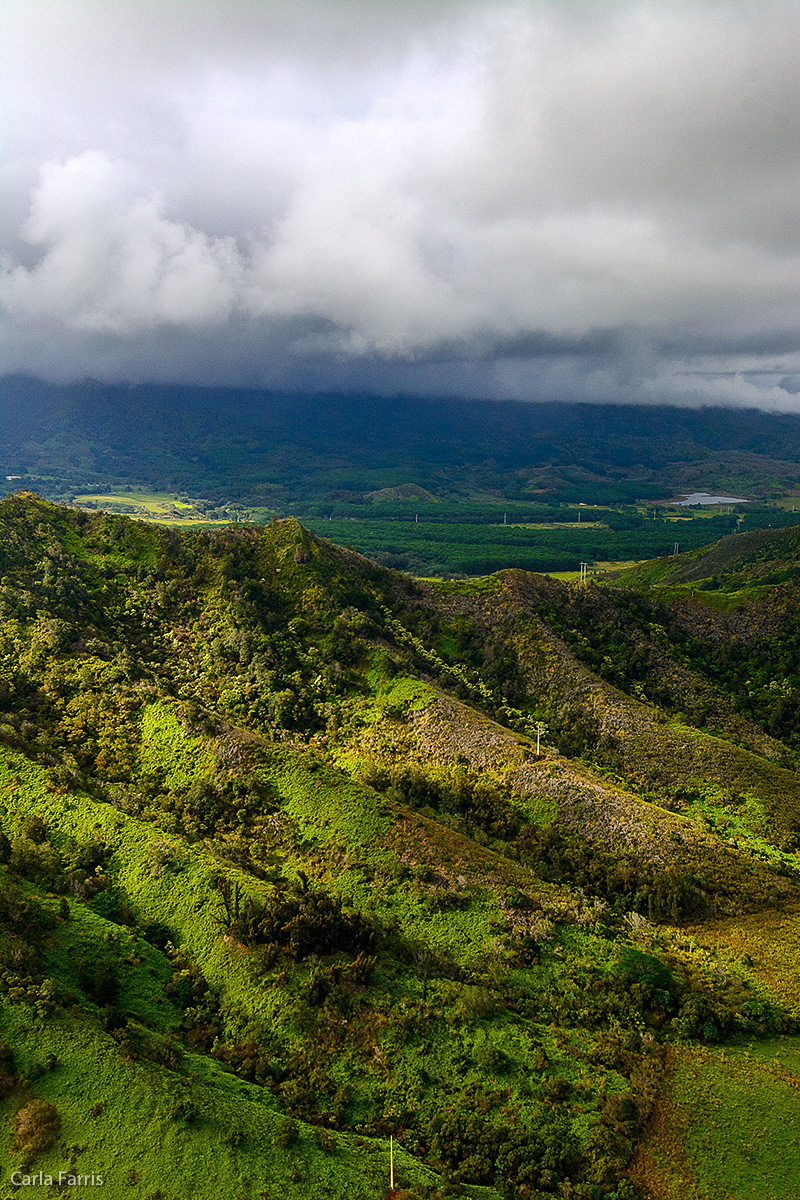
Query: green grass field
point(161, 508)
point(155, 503)
point(727, 1126)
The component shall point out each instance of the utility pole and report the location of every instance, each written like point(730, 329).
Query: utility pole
point(416, 518)
point(391, 1162)
point(584, 569)
point(538, 736)
point(505, 518)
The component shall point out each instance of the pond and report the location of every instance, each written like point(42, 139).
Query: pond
point(705, 498)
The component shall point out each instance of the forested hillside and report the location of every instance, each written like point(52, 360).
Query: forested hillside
point(293, 451)
point(284, 875)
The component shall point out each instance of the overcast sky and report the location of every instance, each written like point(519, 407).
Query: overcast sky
point(527, 200)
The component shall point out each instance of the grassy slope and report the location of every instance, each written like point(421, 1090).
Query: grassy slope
point(727, 1125)
point(139, 1100)
point(390, 862)
point(742, 559)
point(654, 756)
point(136, 1139)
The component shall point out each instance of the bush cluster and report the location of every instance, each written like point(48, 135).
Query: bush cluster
point(34, 1129)
point(303, 923)
point(481, 805)
point(565, 857)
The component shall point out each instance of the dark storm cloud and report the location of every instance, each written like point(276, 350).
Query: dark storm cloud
point(527, 199)
point(766, 342)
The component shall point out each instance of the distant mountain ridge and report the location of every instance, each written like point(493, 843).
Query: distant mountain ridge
point(277, 448)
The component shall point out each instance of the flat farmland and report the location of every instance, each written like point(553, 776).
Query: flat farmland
point(435, 546)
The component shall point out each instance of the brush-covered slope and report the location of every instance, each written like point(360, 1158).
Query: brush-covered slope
point(741, 560)
point(283, 874)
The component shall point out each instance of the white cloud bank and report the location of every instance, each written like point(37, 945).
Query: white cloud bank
point(535, 200)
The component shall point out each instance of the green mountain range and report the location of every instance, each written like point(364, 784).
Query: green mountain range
point(321, 454)
point(319, 880)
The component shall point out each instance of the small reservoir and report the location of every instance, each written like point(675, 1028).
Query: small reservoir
point(706, 498)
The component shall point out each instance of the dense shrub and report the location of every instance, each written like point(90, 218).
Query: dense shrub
point(492, 1059)
point(471, 1145)
point(34, 828)
point(185, 1111)
point(88, 857)
point(560, 856)
point(311, 922)
point(158, 934)
point(34, 1128)
point(481, 805)
point(99, 979)
point(38, 862)
point(248, 1060)
point(286, 1134)
point(110, 905)
point(8, 1078)
point(189, 990)
point(23, 925)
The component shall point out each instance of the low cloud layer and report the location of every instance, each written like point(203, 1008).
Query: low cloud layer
point(591, 201)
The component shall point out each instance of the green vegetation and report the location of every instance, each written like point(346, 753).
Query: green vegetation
point(468, 544)
point(160, 506)
point(282, 874)
point(276, 450)
point(717, 1136)
point(433, 487)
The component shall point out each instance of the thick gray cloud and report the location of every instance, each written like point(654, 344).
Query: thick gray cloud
point(593, 200)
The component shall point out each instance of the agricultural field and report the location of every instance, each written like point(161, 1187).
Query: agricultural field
point(162, 507)
point(474, 539)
